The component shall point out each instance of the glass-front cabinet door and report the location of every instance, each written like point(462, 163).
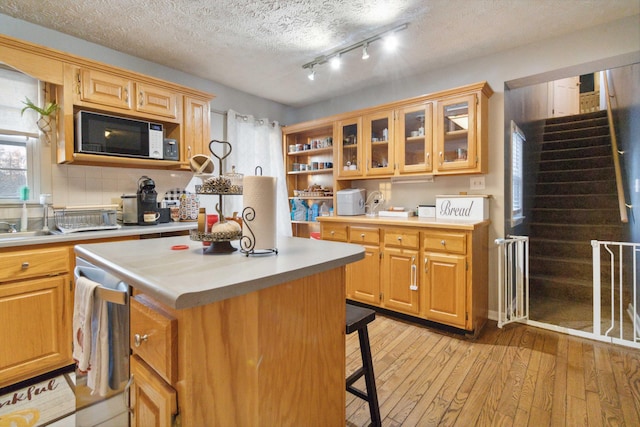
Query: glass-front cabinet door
point(350, 148)
point(456, 140)
point(378, 154)
point(414, 138)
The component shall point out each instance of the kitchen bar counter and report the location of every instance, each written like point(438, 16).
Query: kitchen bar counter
point(8, 241)
point(187, 278)
point(259, 340)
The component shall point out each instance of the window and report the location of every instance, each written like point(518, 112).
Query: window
point(18, 135)
point(517, 153)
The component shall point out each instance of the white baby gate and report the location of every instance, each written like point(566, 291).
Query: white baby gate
point(513, 279)
point(622, 324)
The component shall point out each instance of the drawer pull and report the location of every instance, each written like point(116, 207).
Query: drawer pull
point(443, 242)
point(362, 235)
point(25, 265)
point(138, 340)
point(333, 232)
point(399, 238)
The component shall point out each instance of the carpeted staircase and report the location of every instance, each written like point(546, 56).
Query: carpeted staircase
point(575, 202)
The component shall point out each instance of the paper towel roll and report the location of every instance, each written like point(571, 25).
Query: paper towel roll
point(259, 193)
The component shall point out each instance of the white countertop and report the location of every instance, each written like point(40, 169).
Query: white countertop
point(6, 240)
point(187, 278)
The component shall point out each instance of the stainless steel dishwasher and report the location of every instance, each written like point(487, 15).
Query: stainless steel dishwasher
point(110, 410)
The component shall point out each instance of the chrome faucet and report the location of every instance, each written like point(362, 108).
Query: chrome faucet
point(11, 228)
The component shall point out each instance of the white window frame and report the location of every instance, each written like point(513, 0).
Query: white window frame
point(518, 140)
point(34, 152)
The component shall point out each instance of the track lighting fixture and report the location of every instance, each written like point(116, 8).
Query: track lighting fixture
point(365, 54)
point(334, 57)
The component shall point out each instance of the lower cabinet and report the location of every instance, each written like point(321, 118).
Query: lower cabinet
point(153, 336)
point(34, 334)
point(153, 401)
point(430, 272)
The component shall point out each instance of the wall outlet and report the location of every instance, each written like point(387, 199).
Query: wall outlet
point(476, 183)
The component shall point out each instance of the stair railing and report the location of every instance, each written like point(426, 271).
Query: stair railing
point(622, 204)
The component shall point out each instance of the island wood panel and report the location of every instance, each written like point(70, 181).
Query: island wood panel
point(271, 357)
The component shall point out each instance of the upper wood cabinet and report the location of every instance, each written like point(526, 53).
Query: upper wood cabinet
point(197, 128)
point(121, 92)
point(414, 139)
point(378, 143)
point(349, 147)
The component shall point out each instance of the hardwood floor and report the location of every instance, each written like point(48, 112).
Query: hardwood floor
point(515, 376)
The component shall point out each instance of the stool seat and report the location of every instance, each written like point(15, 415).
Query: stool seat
point(358, 317)
point(357, 320)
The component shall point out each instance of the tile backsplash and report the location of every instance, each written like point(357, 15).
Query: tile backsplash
point(73, 185)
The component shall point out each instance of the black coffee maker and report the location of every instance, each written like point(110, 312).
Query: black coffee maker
point(147, 202)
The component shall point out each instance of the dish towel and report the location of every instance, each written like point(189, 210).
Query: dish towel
point(98, 375)
point(82, 316)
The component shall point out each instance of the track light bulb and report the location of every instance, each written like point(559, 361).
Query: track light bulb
point(391, 41)
point(312, 74)
point(365, 54)
point(335, 62)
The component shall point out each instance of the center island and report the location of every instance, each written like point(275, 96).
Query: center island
point(231, 340)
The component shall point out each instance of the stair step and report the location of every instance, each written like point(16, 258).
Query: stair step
point(550, 287)
point(561, 248)
point(576, 164)
point(576, 152)
point(563, 144)
point(597, 174)
point(576, 117)
point(575, 233)
point(576, 133)
point(573, 201)
point(576, 124)
point(576, 216)
point(549, 265)
point(607, 186)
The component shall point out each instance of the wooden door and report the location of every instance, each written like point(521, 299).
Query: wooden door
point(156, 100)
point(106, 89)
point(400, 275)
point(566, 97)
point(197, 128)
point(444, 287)
point(363, 277)
point(35, 338)
point(414, 139)
point(152, 400)
point(378, 142)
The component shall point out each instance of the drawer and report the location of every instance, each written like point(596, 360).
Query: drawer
point(399, 238)
point(445, 242)
point(337, 232)
point(364, 235)
point(154, 337)
point(30, 263)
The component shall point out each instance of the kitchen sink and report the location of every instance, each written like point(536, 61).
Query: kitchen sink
point(23, 234)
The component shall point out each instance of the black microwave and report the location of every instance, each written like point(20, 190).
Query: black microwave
point(118, 136)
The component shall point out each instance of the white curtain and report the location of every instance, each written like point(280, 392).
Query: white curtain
point(257, 142)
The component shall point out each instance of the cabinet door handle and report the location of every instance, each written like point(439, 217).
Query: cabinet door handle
point(126, 94)
point(426, 264)
point(428, 159)
point(126, 395)
point(141, 103)
point(440, 154)
point(414, 278)
point(138, 339)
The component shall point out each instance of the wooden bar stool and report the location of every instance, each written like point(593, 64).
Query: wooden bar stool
point(357, 320)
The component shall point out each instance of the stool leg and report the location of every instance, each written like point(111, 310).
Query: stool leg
point(369, 377)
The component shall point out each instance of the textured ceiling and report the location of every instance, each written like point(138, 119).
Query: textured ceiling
point(259, 46)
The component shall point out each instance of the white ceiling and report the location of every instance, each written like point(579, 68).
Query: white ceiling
point(259, 46)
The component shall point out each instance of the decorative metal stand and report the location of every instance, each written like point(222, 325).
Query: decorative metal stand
point(220, 186)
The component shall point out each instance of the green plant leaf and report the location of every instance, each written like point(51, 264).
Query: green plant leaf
point(49, 109)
